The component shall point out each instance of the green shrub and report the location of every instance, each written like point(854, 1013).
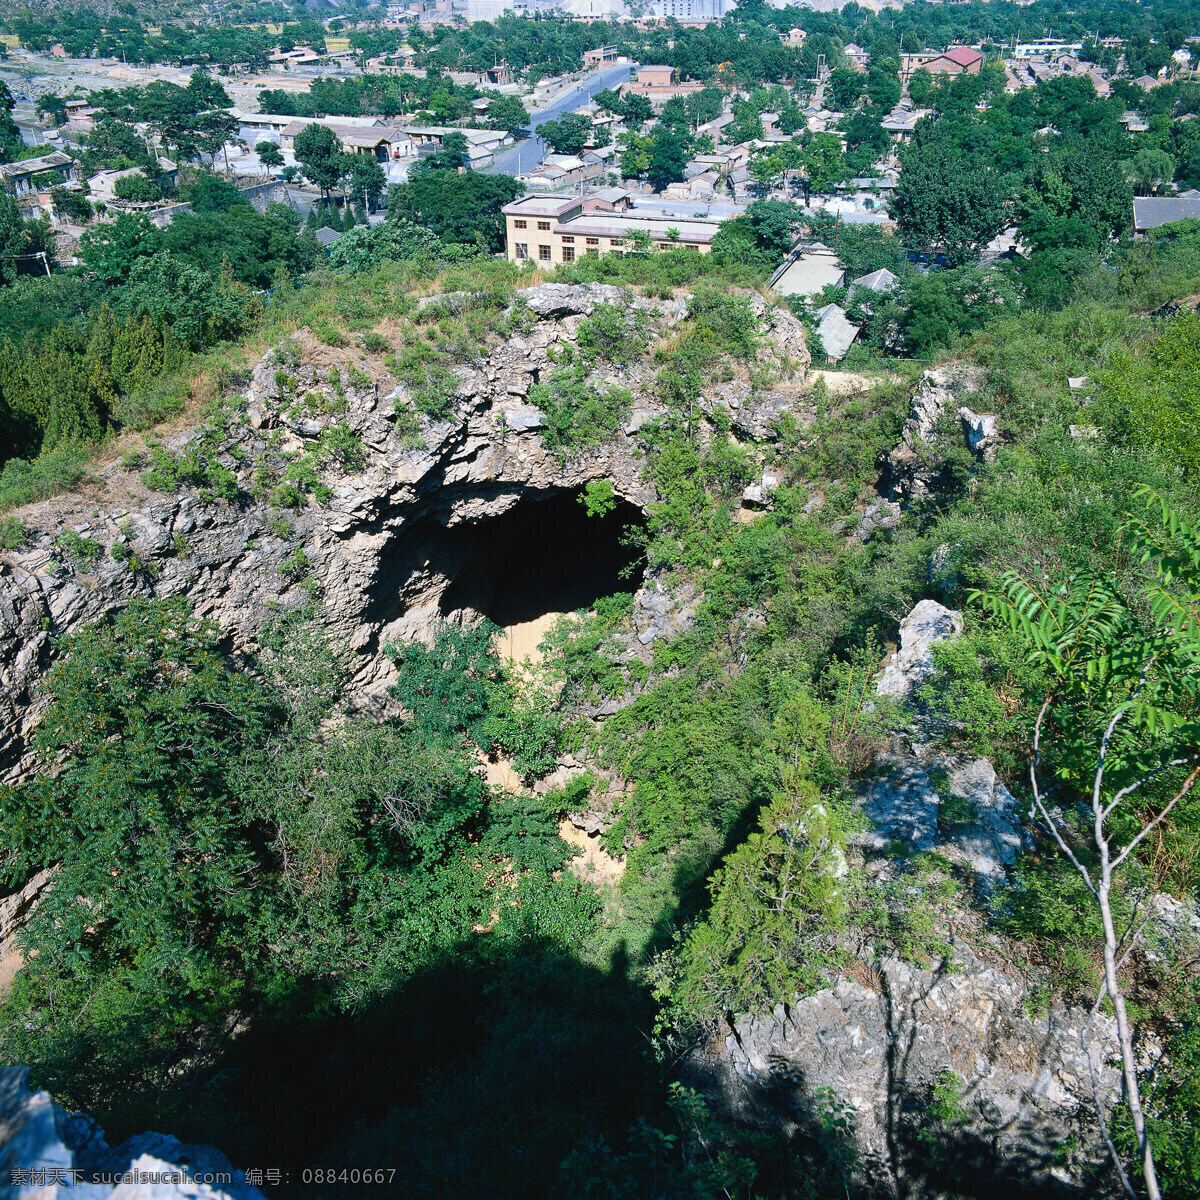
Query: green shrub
point(580, 413)
point(376, 343)
point(614, 334)
point(12, 533)
point(59, 470)
point(330, 335)
point(435, 396)
point(80, 550)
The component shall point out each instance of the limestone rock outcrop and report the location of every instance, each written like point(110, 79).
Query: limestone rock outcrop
point(941, 391)
point(957, 807)
point(47, 1153)
point(1026, 1118)
point(385, 548)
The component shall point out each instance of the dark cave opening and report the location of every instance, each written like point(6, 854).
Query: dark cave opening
point(542, 556)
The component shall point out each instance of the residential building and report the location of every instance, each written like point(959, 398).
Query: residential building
point(858, 56)
point(30, 181)
point(555, 229)
point(1149, 212)
point(697, 11)
point(954, 61)
point(602, 54)
point(877, 281)
point(659, 84)
point(432, 136)
point(383, 142)
point(28, 177)
point(103, 184)
point(836, 330)
point(806, 271)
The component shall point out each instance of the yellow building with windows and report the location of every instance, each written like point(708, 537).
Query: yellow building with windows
point(549, 230)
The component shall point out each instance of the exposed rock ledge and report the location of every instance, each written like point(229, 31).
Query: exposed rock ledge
point(378, 549)
point(47, 1153)
point(1027, 1124)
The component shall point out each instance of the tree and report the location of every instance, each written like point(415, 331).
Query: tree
point(269, 154)
point(948, 205)
point(568, 135)
point(883, 86)
point(637, 110)
point(450, 156)
point(363, 248)
point(109, 251)
point(213, 131)
point(52, 107)
point(365, 180)
point(507, 112)
point(668, 159)
point(319, 154)
point(920, 85)
point(113, 145)
point(10, 136)
point(72, 205)
point(140, 812)
point(1118, 727)
point(704, 106)
point(774, 224)
point(1074, 199)
point(135, 186)
point(610, 102)
point(1149, 169)
point(824, 163)
point(26, 246)
point(844, 87)
point(463, 208)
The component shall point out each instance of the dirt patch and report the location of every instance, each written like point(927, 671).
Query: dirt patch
point(595, 864)
point(849, 383)
point(522, 640)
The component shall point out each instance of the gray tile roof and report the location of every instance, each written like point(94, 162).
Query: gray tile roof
point(327, 236)
point(1149, 212)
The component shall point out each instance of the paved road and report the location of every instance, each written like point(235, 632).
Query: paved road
point(522, 157)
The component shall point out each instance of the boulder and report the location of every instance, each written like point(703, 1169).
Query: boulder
point(909, 466)
point(927, 624)
point(957, 807)
point(47, 1153)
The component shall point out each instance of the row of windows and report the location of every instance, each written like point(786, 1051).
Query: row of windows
point(546, 254)
point(519, 223)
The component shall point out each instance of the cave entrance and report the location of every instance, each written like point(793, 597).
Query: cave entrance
point(540, 559)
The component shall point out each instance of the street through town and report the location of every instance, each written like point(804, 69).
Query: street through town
point(525, 154)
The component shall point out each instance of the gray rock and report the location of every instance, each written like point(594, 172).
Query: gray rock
point(940, 390)
point(883, 515)
point(47, 1153)
point(876, 1052)
point(524, 418)
point(957, 807)
point(759, 494)
point(928, 623)
point(981, 432)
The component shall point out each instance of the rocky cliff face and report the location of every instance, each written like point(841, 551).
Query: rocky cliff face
point(394, 536)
